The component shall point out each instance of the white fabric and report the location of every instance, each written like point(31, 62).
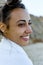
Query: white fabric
point(12, 54)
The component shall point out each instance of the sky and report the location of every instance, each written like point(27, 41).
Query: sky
point(34, 7)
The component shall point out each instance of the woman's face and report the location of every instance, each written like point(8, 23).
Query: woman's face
point(19, 26)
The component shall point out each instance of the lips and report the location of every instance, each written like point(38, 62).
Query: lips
point(25, 38)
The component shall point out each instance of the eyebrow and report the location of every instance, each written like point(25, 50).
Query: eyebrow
point(23, 21)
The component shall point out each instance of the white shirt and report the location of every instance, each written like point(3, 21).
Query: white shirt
point(12, 54)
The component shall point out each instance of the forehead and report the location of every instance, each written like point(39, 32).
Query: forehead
point(20, 13)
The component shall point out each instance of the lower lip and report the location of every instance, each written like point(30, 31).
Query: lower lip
point(25, 39)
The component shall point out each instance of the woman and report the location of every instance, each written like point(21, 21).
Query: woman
point(16, 29)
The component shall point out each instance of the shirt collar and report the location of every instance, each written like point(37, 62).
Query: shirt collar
point(11, 44)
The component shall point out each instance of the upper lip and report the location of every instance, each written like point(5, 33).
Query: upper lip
point(25, 36)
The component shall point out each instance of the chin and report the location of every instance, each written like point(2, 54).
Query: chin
point(24, 44)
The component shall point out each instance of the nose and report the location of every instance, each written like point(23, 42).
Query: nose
point(28, 30)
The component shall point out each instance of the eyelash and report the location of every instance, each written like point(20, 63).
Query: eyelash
point(23, 24)
point(29, 23)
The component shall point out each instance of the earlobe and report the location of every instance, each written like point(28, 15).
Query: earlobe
point(2, 27)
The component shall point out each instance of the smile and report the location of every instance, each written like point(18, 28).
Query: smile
point(26, 38)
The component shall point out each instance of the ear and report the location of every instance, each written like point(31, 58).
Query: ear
point(2, 26)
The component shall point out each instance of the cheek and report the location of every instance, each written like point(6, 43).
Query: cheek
point(16, 32)
point(19, 31)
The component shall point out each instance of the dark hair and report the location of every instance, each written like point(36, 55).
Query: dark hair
point(10, 6)
point(0, 13)
point(6, 10)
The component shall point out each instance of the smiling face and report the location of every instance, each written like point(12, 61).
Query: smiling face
point(19, 26)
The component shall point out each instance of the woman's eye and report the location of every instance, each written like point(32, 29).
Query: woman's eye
point(21, 25)
point(29, 23)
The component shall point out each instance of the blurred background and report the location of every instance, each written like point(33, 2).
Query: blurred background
point(35, 48)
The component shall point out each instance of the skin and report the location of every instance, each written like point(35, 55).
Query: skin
point(19, 27)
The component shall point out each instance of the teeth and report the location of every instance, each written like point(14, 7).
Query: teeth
point(26, 37)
